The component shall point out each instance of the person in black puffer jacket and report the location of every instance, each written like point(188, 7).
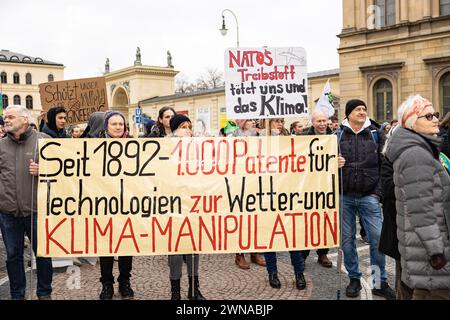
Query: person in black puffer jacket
point(360, 144)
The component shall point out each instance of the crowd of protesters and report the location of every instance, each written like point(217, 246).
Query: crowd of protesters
point(395, 181)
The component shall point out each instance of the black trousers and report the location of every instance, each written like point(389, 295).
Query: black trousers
point(106, 269)
point(320, 252)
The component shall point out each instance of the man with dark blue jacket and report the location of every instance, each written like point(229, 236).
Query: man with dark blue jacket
point(360, 144)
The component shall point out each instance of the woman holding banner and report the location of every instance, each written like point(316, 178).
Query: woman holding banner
point(114, 127)
point(181, 126)
point(276, 127)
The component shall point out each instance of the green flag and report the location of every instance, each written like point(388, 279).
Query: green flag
point(230, 127)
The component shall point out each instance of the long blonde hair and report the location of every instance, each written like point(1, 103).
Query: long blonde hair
point(284, 131)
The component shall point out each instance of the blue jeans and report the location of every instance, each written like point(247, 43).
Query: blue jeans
point(13, 232)
point(369, 210)
point(296, 259)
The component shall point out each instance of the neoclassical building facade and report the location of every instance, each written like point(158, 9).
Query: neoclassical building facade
point(20, 76)
point(129, 86)
point(390, 49)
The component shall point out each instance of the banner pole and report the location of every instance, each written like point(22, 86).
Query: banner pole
point(32, 223)
point(31, 241)
point(193, 274)
point(341, 209)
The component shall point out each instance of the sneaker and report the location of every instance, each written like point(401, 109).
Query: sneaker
point(47, 297)
point(125, 290)
point(385, 291)
point(353, 289)
point(77, 262)
point(107, 292)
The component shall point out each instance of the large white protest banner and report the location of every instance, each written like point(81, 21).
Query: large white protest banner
point(266, 83)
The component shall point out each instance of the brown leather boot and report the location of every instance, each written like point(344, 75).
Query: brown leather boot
point(240, 261)
point(258, 259)
point(324, 261)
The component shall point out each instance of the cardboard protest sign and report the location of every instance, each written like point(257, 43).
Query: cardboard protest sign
point(80, 97)
point(121, 197)
point(266, 83)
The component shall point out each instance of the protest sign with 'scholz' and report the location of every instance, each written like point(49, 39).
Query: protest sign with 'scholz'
point(80, 97)
point(115, 197)
point(266, 83)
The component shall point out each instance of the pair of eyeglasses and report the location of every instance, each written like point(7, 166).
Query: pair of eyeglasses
point(429, 116)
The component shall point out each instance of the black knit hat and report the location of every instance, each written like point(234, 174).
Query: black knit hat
point(177, 120)
point(352, 105)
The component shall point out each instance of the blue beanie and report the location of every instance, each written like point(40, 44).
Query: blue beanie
point(109, 114)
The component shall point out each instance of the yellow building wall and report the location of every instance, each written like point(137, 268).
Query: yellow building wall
point(363, 52)
point(39, 74)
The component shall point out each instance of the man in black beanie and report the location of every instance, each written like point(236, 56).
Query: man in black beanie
point(352, 105)
point(360, 144)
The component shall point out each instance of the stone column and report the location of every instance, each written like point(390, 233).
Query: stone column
point(403, 10)
point(349, 14)
point(426, 8)
point(362, 19)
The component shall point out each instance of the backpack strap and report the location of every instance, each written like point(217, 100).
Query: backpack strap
point(339, 133)
point(374, 134)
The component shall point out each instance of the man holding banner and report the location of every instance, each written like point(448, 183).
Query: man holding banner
point(18, 209)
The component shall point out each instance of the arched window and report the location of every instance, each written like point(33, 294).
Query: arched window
point(17, 99)
point(16, 78)
point(50, 78)
point(387, 12)
point(382, 91)
point(4, 77)
point(29, 102)
point(28, 78)
point(444, 7)
point(5, 101)
point(445, 93)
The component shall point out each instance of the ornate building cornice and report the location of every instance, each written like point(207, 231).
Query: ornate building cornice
point(143, 70)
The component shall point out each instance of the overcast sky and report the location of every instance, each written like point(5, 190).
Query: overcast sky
point(81, 34)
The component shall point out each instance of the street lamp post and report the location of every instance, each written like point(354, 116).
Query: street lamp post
point(224, 30)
